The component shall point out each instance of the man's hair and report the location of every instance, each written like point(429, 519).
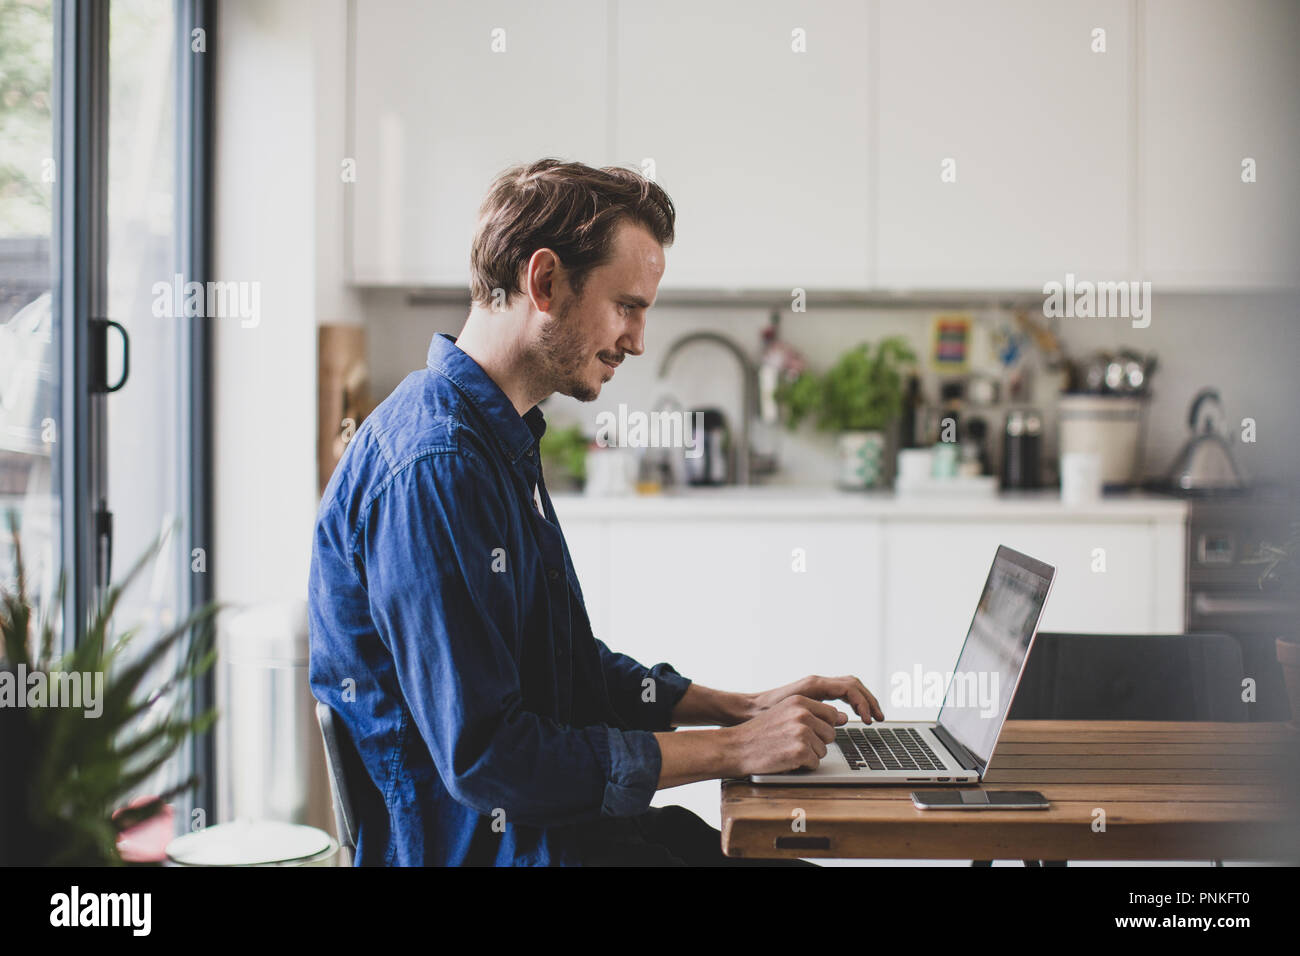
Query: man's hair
point(569, 208)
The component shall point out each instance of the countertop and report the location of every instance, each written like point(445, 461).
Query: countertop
point(784, 502)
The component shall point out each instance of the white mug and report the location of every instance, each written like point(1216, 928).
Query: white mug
point(1080, 477)
point(915, 464)
point(611, 472)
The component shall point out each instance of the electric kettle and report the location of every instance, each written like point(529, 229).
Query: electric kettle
point(1205, 464)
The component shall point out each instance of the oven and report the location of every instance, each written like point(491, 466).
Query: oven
point(1223, 593)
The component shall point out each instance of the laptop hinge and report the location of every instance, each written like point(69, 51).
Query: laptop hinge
point(963, 755)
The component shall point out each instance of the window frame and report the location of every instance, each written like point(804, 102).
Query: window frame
point(79, 253)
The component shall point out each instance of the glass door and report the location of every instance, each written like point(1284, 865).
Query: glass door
point(141, 491)
point(103, 382)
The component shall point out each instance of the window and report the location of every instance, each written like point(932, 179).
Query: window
point(103, 199)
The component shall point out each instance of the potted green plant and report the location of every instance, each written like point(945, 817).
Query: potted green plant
point(1281, 574)
point(858, 399)
point(564, 455)
point(68, 773)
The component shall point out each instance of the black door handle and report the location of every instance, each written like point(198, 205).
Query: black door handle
point(99, 355)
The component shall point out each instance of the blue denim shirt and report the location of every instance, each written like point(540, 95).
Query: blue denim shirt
point(449, 634)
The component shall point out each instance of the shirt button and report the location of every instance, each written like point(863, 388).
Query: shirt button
point(553, 574)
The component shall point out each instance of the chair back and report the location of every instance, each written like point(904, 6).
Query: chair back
point(1132, 677)
point(339, 754)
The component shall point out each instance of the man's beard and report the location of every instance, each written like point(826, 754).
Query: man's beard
point(563, 354)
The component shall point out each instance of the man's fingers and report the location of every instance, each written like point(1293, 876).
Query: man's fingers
point(816, 750)
point(848, 689)
point(821, 728)
point(853, 692)
point(827, 713)
point(862, 700)
point(876, 712)
point(860, 704)
point(822, 718)
point(875, 705)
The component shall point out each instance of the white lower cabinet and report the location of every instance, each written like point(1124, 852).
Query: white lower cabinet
point(737, 605)
point(678, 594)
point(934, 572)
point(742, 605)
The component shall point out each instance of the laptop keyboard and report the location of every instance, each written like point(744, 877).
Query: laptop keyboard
point(894, 748)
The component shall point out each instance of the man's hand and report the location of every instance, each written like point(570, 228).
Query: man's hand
point(848, 689)
point(789, 735)
point(770, 732)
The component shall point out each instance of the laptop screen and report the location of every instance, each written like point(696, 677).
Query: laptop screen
point(979, 693)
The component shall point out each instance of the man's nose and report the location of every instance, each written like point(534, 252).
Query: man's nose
point(633, 341)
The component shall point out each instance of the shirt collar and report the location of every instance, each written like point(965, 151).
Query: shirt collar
point(517, 435)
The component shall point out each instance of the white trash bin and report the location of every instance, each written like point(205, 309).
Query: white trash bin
point(270, 760)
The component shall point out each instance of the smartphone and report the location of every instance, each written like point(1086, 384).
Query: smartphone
point(980, 800)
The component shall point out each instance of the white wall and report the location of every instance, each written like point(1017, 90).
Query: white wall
point(280, 128)
point(266, 206)
point(336, 301)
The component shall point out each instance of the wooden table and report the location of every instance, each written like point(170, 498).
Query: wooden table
point(1165, 791)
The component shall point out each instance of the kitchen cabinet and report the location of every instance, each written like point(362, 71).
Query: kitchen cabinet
point(750, 602)
point(817, 592)
point(588, 543)
point(446, 96)
point(811, 145)
point(1005, 145)
point(735, 605)
point(742, 605)
point(754, 114)
point(677, 598)
point(934, 573)
point(1218, 88)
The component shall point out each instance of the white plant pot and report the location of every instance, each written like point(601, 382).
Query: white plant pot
point(862, 459)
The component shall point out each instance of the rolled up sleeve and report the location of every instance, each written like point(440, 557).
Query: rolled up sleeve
point(644, 697)
point(635, 763)
point(431, 548)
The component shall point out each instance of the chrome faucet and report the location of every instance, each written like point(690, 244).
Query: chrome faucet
point(749, 390)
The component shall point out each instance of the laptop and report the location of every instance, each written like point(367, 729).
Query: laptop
point(958, 747)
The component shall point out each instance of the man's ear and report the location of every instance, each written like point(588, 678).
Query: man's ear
point(541, 279)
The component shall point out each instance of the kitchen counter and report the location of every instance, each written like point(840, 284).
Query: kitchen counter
point(795, 502)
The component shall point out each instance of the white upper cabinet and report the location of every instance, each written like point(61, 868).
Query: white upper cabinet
point(446, 96)
point(1007, 99)
point(755, 116)
point(1220, 103)
point(848, 145)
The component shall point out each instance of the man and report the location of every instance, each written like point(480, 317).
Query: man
point(448, 630)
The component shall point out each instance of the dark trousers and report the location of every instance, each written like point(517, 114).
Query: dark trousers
point(663, 836)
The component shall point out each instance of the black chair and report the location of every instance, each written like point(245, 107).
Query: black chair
point(340, 755)
point(1186, 677)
